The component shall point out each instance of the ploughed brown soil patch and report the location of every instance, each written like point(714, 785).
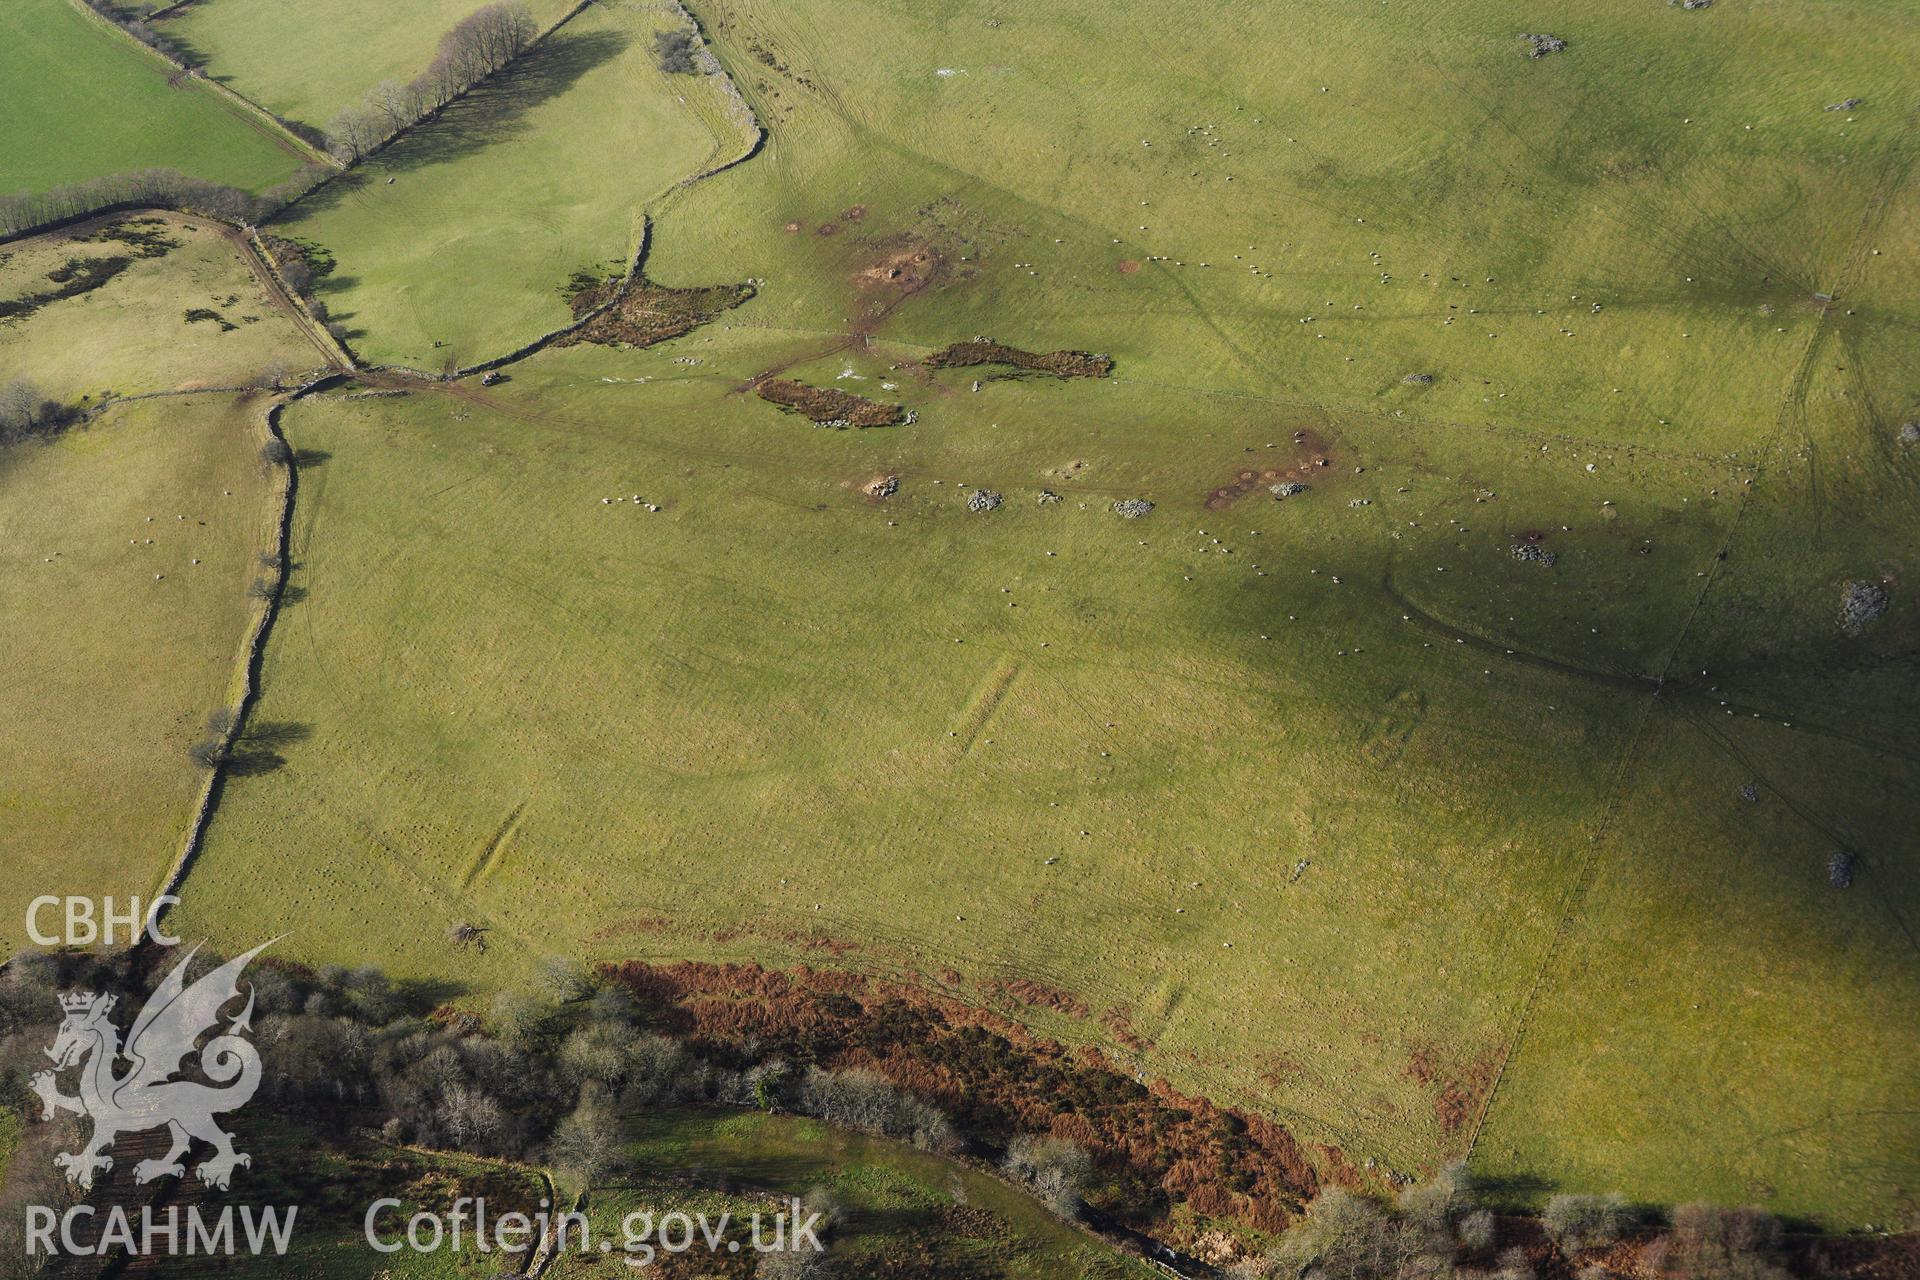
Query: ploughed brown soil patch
point(1061, 364)
point(1311, 460)
point(1156, 1147)
point(647, 313)
point(829, 406)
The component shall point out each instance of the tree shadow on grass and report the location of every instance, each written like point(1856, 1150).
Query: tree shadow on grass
point(257, 750)
point(424, 995)
point(492, 113)
point(1501, 1189)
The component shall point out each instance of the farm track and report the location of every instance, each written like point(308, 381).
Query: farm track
point(247, 247)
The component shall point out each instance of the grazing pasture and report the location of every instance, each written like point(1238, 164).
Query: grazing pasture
point(456, 243)
point(1494, 740)
point(1275, 809)
point(84, 100)
point(126, 551)
point(142, 304)
point(308, 62)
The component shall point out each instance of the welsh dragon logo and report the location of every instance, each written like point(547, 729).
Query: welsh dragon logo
point(147, 1095)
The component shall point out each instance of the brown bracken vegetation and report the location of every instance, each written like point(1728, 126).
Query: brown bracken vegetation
point(1156, 1147)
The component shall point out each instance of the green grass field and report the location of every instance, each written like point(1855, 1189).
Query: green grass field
point(1331, 808)
point(103, 585)
point(83, 101)
point(456, 243)
point(132, 335)
point(308, 62)
point(1355, 815)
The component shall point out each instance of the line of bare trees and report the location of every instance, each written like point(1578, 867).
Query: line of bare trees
point(132, 20)
point(480, 44)
point(158, 188)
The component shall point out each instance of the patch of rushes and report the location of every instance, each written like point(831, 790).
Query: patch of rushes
point(647, 313)
point(1061, 364)
point(830, 406)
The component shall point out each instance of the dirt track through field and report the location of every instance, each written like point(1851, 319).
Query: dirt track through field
point(248, 249)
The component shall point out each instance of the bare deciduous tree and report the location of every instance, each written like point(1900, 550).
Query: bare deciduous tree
point(465, 934)
point(1057, 1171)
point(586, 1145)
point(477, 46)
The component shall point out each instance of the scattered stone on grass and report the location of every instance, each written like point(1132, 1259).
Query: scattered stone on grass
point(1048, 497)
point(830, 406)
point(1910, 433)
point(1846, 104)
point(883, 487)
point(1541, 45)
point(1690, 4)
point(1861, 605)
point(1840, 869)
point(1534, 553)
point(1132, 508)
point(1418, 379)
point(983, 500)
point(1061, 364)
point(1360, 502)
point(1749, 792)
point(1288, 489)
